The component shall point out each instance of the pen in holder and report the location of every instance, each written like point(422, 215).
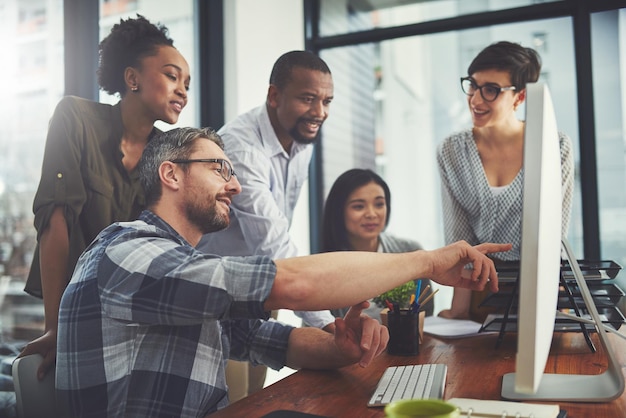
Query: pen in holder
point(405, 331)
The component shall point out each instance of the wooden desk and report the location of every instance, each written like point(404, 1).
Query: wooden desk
point(475, 369)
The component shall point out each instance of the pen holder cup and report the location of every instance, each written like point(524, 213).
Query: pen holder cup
point(406, 329)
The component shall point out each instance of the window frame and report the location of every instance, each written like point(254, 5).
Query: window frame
point(579, 10)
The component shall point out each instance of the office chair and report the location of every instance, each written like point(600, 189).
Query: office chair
point(34, 398)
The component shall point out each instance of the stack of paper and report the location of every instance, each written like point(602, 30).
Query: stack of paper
point(451, 328)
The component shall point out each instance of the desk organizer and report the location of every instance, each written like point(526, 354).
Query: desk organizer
point(599, 277)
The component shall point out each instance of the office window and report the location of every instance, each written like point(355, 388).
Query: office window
point(404, 94)
point(32, 56)
point(574, 57)
point(33, 59)
point(540, 42)
point(389, 13)
point(117, 7)
point(609, 87)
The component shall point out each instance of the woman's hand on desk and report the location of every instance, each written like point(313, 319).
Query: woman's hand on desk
point(360, 337)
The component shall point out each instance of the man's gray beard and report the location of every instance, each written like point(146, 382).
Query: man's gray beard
point(207, 222)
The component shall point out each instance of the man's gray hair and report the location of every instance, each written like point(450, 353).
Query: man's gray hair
point(175, 144)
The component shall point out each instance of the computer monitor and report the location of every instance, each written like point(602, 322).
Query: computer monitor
point(540, 260)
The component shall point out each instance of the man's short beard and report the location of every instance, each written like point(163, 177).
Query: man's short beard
point(301, 139)
point(207, 221)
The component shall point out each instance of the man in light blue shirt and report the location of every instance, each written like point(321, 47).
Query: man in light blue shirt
point(271, 148)
point(272, 178)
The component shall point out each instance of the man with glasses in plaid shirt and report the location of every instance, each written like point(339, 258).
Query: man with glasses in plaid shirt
point(147, 321)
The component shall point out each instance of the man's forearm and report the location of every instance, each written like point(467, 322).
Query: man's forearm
point(312, 348)
point(339, 279)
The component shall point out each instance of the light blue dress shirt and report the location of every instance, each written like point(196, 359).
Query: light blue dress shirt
point(271, 181)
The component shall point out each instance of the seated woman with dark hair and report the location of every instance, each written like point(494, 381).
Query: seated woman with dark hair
point(356, 213)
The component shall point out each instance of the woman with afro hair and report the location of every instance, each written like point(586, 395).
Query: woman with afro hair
point(89, 177)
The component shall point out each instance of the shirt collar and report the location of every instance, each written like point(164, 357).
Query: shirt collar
point(270, 139)
point(151, 218)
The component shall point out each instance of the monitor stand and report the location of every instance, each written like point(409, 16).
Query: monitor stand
point(572, 387)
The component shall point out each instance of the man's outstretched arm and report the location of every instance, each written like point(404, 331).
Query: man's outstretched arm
point(337, 279)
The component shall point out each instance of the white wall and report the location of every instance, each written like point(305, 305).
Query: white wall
point(256, 33)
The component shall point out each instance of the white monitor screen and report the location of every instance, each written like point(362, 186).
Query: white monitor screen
point(540, 256)
point(540, 261)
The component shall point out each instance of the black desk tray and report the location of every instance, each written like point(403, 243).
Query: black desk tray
point(597, 275)
point(508, 271)
point(592, 270)
point(611, 316)
point(604, 295)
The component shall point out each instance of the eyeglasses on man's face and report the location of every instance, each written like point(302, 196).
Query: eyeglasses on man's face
point(225, 170)
point(489, 92)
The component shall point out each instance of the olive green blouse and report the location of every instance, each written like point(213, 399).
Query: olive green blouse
point(83, 172)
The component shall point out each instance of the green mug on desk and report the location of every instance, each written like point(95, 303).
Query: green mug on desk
point(421, 408)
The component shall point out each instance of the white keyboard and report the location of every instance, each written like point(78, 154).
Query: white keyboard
point(418, 381)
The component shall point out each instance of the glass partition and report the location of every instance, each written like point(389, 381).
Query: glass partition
point(397, 100)
point(33, 59)
point(390, 13)
point(32, 56)
point(609, 88)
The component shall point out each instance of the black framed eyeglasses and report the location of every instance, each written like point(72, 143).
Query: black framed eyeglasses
point(489, 92)
point(225, 170)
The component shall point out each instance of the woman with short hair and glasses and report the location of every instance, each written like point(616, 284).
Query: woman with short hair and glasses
point(89, 178)
point(481, 167)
